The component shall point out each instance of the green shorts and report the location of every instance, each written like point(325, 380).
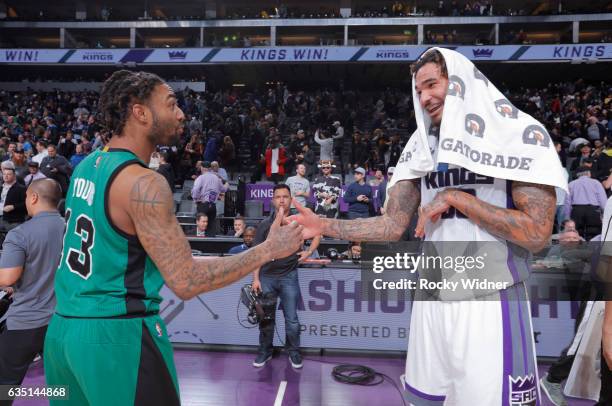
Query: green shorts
point(106, 361)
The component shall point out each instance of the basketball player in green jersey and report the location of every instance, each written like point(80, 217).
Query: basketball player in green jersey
point(106, 341)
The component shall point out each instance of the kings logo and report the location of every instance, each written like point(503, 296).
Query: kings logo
point(523, 391)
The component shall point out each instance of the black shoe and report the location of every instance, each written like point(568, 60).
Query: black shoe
point(296, 360)
point(261, 359)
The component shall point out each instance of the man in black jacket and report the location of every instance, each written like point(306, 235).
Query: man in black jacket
point(12, 199)
point(67, 145)
point(56, 167)
point(165, 169)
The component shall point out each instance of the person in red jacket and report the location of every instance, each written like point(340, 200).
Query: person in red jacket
point(276, 157)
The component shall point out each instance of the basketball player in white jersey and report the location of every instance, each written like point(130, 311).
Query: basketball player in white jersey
point(461, 353)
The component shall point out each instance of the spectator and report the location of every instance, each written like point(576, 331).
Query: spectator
point(67, 145)
point(595, 130)
point(358, 196)
point(211, 151)
point(353, 252)
point(395, 150)
point(56, 167)
point(227, 155)
point(247, 238)
point(78, 156)
point(206, 190)
point(327, 145)
point(154, 162)
point(296, 147)
point(299, 185)
point(378, 178)
point(28, 262)
point(165, 169)
point(276, 156)
point(12, 199)
point(583, 158)
point(201, 225)
point(21, 164)
point(359, 151)
point(10, 151)
point(41, 148)
point(238, 228)
point(383, 189)
point(34, 174)
point(327, 189)
point(338, 147)
point(221, 172)
point(586, 200)
point(197, 170)
point(309, 160)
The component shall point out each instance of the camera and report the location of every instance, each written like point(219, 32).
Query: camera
point(260, 307)
point(5, 301)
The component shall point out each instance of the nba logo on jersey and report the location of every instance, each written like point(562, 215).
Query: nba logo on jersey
point(523, 391)
point(158, 329)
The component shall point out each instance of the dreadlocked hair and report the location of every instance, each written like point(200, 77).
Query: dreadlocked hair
point(120, 91)
point(430, 56)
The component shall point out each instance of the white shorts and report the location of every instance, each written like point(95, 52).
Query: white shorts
point(472, 353)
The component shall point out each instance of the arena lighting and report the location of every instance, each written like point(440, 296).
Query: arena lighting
point(238, 85)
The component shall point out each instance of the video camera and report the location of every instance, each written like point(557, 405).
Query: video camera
point(5, 301)
point(261, 307)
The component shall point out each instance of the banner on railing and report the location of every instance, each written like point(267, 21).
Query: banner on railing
point(309, 54)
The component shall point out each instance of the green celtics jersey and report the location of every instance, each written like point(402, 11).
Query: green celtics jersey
point(104, 272)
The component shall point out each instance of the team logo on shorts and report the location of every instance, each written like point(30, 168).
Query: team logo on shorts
point(536, 135)
point(456, 86)
point(523, 391)
point(474, 125)
point(478, 75)
point(159, 330)
point(506, 109)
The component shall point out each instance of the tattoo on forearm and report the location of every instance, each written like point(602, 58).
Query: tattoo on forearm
point(404, 198)
point(152, 209)
point(529, 225)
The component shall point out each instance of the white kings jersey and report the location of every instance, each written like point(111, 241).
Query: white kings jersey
point(511, 262)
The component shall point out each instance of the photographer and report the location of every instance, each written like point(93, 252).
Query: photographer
point(28, 263)
point(279, 278)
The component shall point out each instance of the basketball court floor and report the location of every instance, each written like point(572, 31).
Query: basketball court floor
point(228, 379)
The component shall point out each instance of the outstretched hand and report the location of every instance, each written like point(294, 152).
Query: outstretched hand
point(312, 224)
point(285, 239)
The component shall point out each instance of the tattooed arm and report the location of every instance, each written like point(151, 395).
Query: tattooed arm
point(529, 225)
point(404, 198)
point(151, 209)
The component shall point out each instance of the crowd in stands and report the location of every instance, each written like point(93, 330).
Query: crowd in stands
point(282, 10)
point(326, 138)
